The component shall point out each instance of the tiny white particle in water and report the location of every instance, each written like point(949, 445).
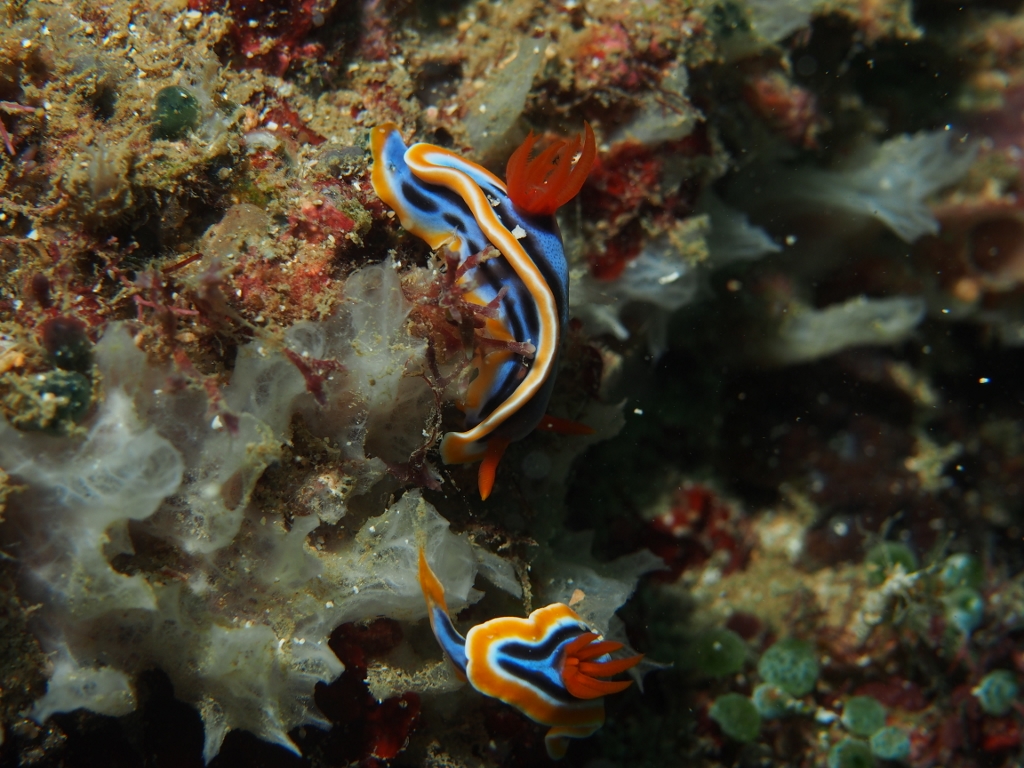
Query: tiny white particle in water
point(670, 278)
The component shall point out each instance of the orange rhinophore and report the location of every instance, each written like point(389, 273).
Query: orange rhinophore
point(550, 180)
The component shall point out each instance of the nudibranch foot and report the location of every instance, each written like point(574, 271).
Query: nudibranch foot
point(548, 665)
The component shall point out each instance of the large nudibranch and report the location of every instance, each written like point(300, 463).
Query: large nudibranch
point(547, 666)
point(451, 202)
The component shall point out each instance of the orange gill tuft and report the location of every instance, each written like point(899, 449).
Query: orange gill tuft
point(551, 179)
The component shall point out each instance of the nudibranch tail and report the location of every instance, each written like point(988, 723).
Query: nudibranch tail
point(556, 741)
point(550, 180)
point(452, 643)
point(489, 466)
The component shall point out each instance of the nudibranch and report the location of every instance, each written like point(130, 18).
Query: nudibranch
point(547, 666)
point(451, 202)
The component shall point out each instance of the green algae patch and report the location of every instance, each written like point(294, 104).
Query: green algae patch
point(791, 664)
point(175, 113)
point(772, 702)
point(883, 558)
point(863, 715)
point(891, 743)
point(997, 692)
point(737, 716)
point(965, 608)
point(51, 402)
point(718, 653)
point(850, 753)
point(962, 570)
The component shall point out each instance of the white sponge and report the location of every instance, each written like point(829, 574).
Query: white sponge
point(98, 689)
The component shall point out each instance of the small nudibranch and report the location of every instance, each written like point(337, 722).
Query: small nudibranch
point(547, 666)
point(449, 201)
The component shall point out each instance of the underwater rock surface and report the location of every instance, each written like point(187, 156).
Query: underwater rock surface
point(795, 339)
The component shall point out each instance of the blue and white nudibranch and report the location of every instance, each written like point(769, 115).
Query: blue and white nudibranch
point(547, 666)
point(451, 202)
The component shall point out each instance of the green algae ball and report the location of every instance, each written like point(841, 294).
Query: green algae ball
point(863, 715)
point(175, 112)
point(772, 702)
point(965, 609)
point(850, 753)
point(996, 692)
point(719, 653)
point(883, 558)
point(737, 716)
point(52, 401)
point(962, 570)
point(792, 665)
point(891, 743)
